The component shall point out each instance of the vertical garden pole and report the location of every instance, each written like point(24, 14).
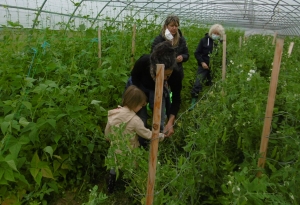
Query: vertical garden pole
point(155, 132)
point(133, 44)
point(99, 46)
point(274, 39)
point(240, 42)
point(270, 104)
point(290, 48)
point(224, 58)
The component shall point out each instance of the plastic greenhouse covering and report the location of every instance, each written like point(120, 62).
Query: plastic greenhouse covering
point(255, 16)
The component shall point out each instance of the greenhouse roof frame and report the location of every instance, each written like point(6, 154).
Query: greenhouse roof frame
point(281, 16)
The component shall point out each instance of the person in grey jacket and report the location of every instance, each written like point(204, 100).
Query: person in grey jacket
point(202, 53)
point(170, 32)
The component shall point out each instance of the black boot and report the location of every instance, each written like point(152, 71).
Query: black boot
point(111, 183)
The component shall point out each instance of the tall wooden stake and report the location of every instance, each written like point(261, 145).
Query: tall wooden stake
point(240, 42)
point(274, 39)
point(224, 58)
point(133, 45)
point(290, 48)
point(99, 46)
point(270, 104)
point(155, 132)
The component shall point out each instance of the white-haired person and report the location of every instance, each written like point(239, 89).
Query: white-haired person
point(202, 54)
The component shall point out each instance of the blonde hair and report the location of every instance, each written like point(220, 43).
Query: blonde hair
point(217, 28)
point(171, 19)
point(133, 97)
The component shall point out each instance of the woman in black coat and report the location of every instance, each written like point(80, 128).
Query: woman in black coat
point(143, 76)
point(170, 32)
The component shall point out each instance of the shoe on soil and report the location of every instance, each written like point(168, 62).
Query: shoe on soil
point(111, 183)
point(194, 101)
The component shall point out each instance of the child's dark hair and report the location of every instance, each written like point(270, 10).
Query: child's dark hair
point(134, 97)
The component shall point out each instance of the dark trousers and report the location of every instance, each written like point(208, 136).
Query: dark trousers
point(203, 76)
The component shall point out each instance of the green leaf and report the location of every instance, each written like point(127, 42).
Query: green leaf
point(9, 117)
point(8, 102)
point(52, 123)
point(65, 165)
point(15, 125)
point(38, 178)
point(46, 172)
point(21, 178)
point(1, 172)
point(15, 149)
point(90, 147)
point(33, 135)
point(63, 173)
point(40, 88)
point(56, 165)
point(35, 161)
point(60, 116)
point(23, 121)
point(3, 181)
point(28, 105)
point(53, 185)
point(76, 108)
point(34, 172)
point(49, 150)
point(4, 127)
point(20, 162)
point(12, 164)
point(9, 175)
point(51, 83)
point(57, 138)
point(94, 102)
point(30, 126)
point(28, 79)
point(23, 140)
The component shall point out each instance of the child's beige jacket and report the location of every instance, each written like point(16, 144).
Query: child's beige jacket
point(134, 124)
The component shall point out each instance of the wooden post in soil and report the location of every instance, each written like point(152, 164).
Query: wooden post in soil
point(270, 105)
point(290, 48)
point(155, 132)
point(274, 39)
point(99, 46)
point(240, 42)
point(133, 45)
point(224, 58)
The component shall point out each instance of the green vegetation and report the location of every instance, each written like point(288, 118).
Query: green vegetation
point(54, 98)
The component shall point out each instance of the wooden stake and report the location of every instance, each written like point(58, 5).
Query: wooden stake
point(155, 132)
point(133, 44)
point(290, 48)
point(240, 42)
point(274, 39)
point(99, 46)
point(270, 104)
point(224, 58)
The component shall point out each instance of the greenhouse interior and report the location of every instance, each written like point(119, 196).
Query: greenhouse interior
point(217, 120)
